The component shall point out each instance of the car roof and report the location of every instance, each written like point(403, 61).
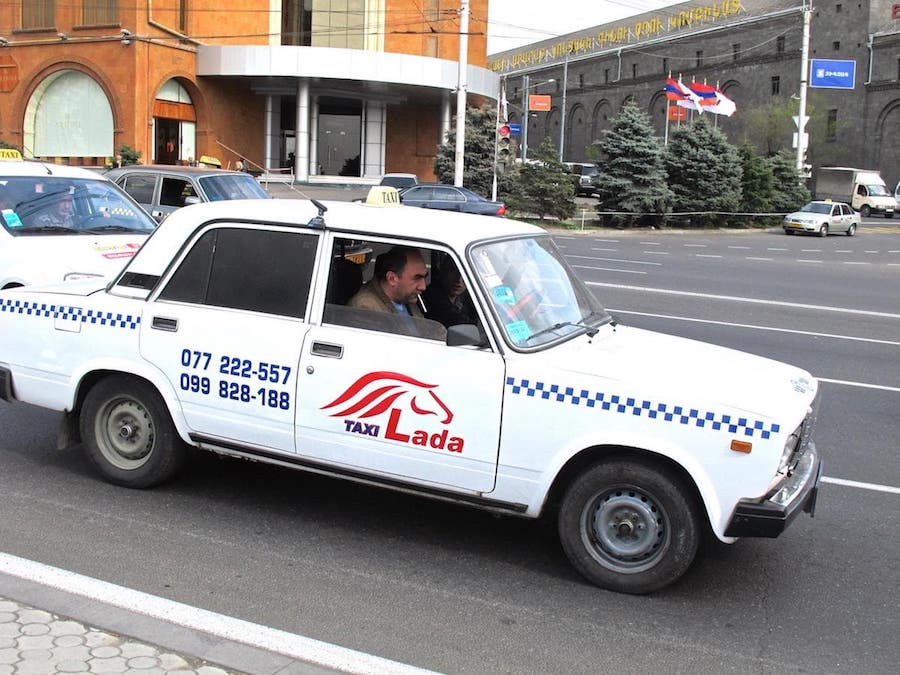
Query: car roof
point(195, 171)
point(357, 220)
point(28, 167)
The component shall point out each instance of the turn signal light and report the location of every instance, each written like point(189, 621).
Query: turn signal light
point(741, 446)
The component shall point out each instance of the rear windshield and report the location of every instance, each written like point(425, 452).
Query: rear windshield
point(36, 205)
point(232, 186)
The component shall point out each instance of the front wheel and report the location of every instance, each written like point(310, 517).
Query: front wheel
point(128, 433)
point(823, 231)
point(629, 526)
point(865, 211)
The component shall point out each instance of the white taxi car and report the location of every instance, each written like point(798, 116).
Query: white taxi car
point(61, 223)
point(823, 218)
point(230, 331)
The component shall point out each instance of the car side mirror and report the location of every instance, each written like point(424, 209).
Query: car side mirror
point(192, 200)
point(466, 335)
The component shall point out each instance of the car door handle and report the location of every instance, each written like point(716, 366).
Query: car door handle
point(164, 323)
point(327, 350)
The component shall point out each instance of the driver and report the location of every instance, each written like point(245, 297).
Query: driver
point(400, 276)
point(60, 213)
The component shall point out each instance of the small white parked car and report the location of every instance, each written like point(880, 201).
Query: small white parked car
point(231, 331)
point(823, 218)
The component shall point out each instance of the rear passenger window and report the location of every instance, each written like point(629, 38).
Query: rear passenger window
point(259, 270)
point(174, 191)
point(140, 188)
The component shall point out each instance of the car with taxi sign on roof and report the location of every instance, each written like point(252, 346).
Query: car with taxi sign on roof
point(239, 328)
point(60, 223)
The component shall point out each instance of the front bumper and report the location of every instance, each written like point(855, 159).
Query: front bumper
point(770, 516)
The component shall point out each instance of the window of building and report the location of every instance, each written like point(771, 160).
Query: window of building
point(736, 51)
point(831, 125)
point(581, 81)
point(325, 23)
point(779, 46)
point(38, 13)
point(606, 75)
point(699, 60)
point(98, 12)
point(182, 16)
point(898, 68)
point(838, 8)
point(836, 45)
point(776, 85)
point(634, 71)
point(247, 269)
point(665, 66)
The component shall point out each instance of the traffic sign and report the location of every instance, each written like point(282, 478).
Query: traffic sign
point(828, 74)
point(796, 119)
point(515, 129)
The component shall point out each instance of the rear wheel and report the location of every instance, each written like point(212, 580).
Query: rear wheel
point(865, 211)
point(629, 526)
point(787, 231)
point(851, 230)
point(128, 433)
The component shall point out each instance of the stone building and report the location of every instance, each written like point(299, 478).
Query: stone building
point(321, 87)
point(751, 49)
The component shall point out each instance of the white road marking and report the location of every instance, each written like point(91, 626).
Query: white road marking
point(752, 258)
point(655, 252)
point(843, 250)
point(808, 261)
point(621, 260)
point(650, 243)
point(850, 262)
point(810, 250)
point(237, 630)
point(706, 255)
point(607, 250)
point(695, 245)
point(870, 251)
point(793, 331)
point(861, 486)
point(862, 385)
point(732, 298)
point(776, 249)
point(740, 247)
point(607, 269)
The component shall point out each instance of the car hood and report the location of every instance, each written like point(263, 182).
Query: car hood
point(807, 217)
point(633, 361)
point(46, 259)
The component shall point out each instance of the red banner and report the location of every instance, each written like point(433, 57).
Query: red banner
point(677, 113)
point(539, 102)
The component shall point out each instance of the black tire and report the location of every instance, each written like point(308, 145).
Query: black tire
point(128, 433)
point(851, 230)
point(865, 211)
point(629, 526)
point(823, 231)
point(889, 215)
point(788, 232)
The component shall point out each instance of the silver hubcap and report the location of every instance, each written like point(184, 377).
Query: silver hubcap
point(626, 529)
point(125, 433)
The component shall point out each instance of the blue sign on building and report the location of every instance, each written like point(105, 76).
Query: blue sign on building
point(827, 74)
point(515, 129)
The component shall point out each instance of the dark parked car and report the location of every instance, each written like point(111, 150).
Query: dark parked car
point(399, 180)
point(162, 189)
point(450, 198)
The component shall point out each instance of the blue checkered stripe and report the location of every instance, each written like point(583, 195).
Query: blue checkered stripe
point(66, 313)
point(640, 408)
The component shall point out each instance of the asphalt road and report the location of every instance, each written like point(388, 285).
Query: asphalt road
point(457, 590)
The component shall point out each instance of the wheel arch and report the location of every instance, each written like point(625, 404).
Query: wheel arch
point(90, 377)
point(696, 481)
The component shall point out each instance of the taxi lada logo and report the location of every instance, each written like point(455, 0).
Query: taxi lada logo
point(408, 403)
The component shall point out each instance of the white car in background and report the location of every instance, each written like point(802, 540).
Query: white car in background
point(823, 218)
point(61, 223)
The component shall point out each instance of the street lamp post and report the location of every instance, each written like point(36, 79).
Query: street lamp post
point(526, 110)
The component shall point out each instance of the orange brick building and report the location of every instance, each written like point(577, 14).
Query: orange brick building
point(354, 88)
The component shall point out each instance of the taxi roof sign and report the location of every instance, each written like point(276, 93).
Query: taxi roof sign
point(10, 153)
point(211, 161)
point(384, 196)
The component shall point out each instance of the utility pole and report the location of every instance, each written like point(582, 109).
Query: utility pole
point(461, 87)
point(804, 74)
point(562, 121)
point(525, 114)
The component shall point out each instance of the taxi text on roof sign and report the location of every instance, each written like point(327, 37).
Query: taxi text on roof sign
point(10, 153)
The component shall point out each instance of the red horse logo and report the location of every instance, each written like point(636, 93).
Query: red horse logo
point(374, 393)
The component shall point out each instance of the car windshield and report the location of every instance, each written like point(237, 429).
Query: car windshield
point(232, 186)
point(534, 293)
point(32, 205)
point(877, 191)
point(817, 207)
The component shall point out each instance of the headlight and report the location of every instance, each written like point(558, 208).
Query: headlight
point(78, 276)
point(787, 454)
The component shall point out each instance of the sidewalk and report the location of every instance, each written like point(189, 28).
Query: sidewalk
point(55, 621)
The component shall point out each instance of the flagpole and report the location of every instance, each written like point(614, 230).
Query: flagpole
point(668, 105)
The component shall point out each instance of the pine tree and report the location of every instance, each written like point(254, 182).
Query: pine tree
point(756, 181)
point(632, 176)
point(542, 187)
point(704, 172)
point(478, 162)
point(790, 191)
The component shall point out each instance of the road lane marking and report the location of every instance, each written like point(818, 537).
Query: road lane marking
point(655, 252)
point(776, 249)
point(650, 243)
point(807, 261)
point(732, 298)
point(607, 269)
point(861, 486)
point(862, 385)
point(605, 250)
point(810, 250)
point(739, 247)
point(849, 262)
point(870, 251)
point(706, 255)
point(844, 250)
point(695, 245)
point(219, 625)
point(793, 331)
point(621, 260)
point(753, 258)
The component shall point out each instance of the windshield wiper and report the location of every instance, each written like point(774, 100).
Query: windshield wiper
point(590, 330)
point(109, 228)
point(47, 228)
